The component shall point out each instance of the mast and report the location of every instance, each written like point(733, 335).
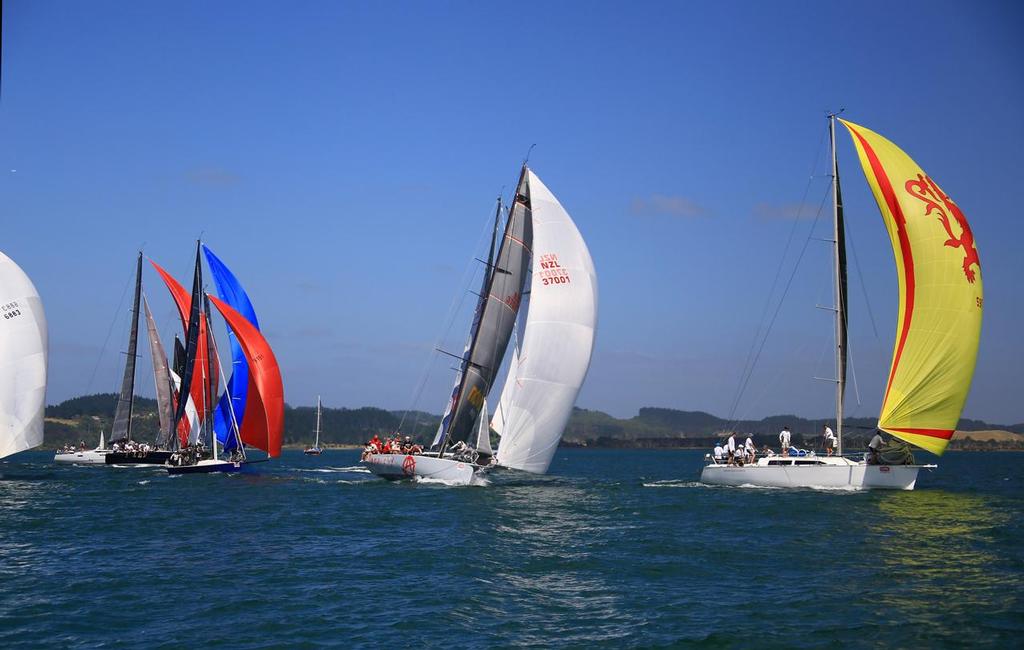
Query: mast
point(317, 443)
point(840, 289)
point(122, 427)
point(191, 341)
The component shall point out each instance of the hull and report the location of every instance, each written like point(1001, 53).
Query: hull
point(396, 467)
point(147, 458)
point(208, 466)
point(313, 451)
point(87, 457)
point(852, 476)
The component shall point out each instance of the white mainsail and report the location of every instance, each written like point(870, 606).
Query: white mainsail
point(547, 372)
point(23, 345)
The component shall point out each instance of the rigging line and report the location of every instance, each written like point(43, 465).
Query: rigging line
point(860, 278)
point(778, 274)
point(110, 331)
point(468, 273)
point(782, 299)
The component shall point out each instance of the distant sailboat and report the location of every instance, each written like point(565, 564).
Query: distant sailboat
point(559, 330)
point(315, 450)
point(937, 333)
point(23, 349)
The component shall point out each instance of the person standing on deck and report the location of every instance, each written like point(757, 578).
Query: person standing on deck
point(874, 447)
point(784, 438)
point(751, 449)
point(730, 448)
point(830, 440)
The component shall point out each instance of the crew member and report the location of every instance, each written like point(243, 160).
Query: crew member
point(730, 448)
point(830, 440)
point(784, 438)
point(874, 447)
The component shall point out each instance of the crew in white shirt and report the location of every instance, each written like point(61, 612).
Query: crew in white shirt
point(730, 448)
point(751, 450)
point(784, 438)
point(830, 440)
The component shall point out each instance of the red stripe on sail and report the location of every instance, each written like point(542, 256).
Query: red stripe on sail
point(908, 256)
point(945, 434)
point(263, 422)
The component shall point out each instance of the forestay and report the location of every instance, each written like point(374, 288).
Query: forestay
point(547, 372)
point(23, 347)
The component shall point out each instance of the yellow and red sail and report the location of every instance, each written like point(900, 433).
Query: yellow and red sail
point(940, 295)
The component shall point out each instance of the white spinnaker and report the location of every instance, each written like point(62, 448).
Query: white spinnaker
point(558, 338)
point(23, 345)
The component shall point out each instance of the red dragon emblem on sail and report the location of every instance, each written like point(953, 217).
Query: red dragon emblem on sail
point(925, 189)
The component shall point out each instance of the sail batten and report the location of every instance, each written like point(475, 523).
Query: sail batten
point(940, 295)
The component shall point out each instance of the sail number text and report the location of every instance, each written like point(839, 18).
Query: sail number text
point(10, 310)
point(551, 272)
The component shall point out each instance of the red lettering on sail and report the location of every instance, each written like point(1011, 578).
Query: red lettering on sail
point(924, 189)
point(551, 272)
point(513, 301)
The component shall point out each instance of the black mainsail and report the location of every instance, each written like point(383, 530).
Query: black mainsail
point(497, 311)
point(841, 285)
point(122, 427)
point(191, 341)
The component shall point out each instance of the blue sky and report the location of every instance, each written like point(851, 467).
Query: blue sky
point(343, 158)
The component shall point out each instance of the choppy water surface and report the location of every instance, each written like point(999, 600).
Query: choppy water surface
point(615, 548)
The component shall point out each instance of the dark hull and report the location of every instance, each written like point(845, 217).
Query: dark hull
point(313, 452)
point(148, 458)
point(212, 468)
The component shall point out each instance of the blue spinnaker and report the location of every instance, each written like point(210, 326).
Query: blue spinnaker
point(231, 407)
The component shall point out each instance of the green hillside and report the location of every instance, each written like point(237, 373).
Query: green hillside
point(82, 418)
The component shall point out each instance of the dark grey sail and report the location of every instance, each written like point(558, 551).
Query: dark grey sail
point(122, 427)
point(162, 380)
point(501, 298)
point(191, 341)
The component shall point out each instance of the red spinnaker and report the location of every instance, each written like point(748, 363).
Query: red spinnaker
point(183, 300)
point(263, 422)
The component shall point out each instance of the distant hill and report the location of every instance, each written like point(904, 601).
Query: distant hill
point(82, 418)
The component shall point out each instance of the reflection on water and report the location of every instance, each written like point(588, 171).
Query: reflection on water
point(938, 548)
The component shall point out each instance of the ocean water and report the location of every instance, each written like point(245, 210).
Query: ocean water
point(613, 549)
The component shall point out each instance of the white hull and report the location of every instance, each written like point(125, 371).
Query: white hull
point(405, 466)
point(836, 473)
point(87, 457)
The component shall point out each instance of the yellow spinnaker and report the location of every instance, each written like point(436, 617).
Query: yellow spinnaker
point(939, 323)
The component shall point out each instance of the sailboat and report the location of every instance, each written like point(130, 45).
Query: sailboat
point(261, 422)
point(937, 332)
point(556, 346)
point(23, 348)
point(123, 450)
point(315, 450)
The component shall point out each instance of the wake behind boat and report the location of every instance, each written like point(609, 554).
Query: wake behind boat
point(549, 362)
point(938, 329)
